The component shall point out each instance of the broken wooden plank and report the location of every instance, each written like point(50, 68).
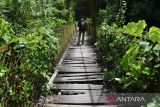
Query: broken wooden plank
point(101, 92)
point(74, 99)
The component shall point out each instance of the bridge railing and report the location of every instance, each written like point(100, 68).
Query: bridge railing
point(65, 34)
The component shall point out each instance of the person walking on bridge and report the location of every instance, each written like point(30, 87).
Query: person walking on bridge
point(82, 29)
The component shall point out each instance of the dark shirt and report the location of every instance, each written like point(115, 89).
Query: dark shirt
point(82, 25)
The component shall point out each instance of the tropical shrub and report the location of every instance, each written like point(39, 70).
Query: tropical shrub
point(25, 68)
point(132, 55)
point(28, 30)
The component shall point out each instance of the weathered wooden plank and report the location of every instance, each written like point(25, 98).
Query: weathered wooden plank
point(78, 87)
point(89, 51)
point(101, 92)
point(80, 58)
point(78, 74)
point(74, 99)
point(80, 70)
point(81, 47)
point(62, 72)
point(80, 77)
point(79, 62)
point(80, 65)
point(79, 81)
point(84, 51)
point(80, 55)
point(64, 66)
point(77, 53)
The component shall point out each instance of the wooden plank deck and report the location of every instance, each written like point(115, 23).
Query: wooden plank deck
point(79, 81)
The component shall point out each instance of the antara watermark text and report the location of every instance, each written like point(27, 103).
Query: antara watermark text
point(130, 99)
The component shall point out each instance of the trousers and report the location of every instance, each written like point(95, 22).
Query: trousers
point(83, 34)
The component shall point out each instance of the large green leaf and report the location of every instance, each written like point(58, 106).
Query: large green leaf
point(129, 56)
point(140, 27)
point(154, 34)
point(135, 29)
point(126, 59)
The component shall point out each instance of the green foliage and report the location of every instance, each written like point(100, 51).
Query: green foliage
point(114, 13)
point(135, 29)
point(35, 53)
point(112, 45)
point(102, 15)
point(120, 17)
point(129, 56)
point(59, 4)
point(132, 62)
point(154, 34)
point(5, 29)
point(29, 28)
point(144, 9)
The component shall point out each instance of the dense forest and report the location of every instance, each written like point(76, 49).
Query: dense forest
point(28, 29)
point(127, 34)
point(129, 38)
point(133, 10)
point(130, 48)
